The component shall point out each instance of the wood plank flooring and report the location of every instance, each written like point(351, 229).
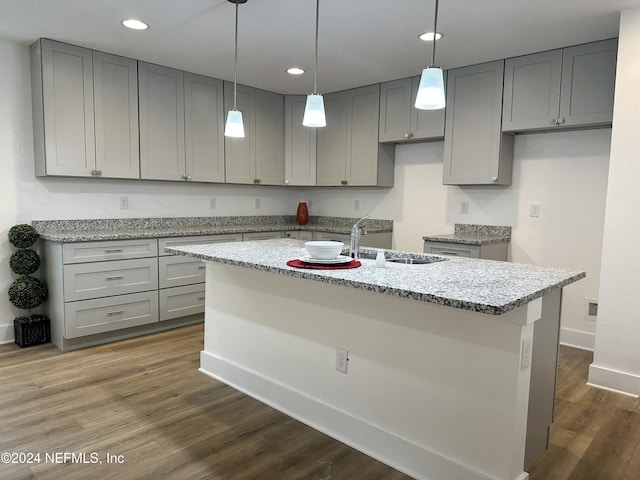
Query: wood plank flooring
point(143, 399)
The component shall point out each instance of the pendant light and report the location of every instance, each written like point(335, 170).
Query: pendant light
point(314, 109)
point(431, 90)
point(234, 126)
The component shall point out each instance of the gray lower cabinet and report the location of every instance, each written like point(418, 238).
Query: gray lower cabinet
point(348, 151)
point(490, 251)
point(565, 88)
point(85, 112)
point(299, 144)
point(303, 235)
point(258, 158)
point(400, 120)
point(476, 151)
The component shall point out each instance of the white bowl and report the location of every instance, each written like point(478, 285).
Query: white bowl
point(324, 250)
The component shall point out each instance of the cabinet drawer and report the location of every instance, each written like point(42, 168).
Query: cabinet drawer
point(175, 271)
point(261, 236)
point(100, 315)
point(109, 250)
point(179, 302)
point(199, 240)
point(453, 249)
point(83, 281)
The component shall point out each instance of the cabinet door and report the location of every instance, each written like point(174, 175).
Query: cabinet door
point(532, 91)
point(161, 122)
point(300, 144)
point(240, 153)
point(476, 151)
point(395, 111)
point(67, 109)
point(204, 128)
point(425, 124)
point(269, 138)
point(588, 83)
point(115, 81)
point(362, 135)
point(332, 142)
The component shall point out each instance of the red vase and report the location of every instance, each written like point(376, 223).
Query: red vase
point(302, 216)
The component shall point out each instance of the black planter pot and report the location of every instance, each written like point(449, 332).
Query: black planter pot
point(33, 332)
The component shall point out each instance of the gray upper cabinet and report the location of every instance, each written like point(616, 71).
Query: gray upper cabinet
point(258, 158)
point(348, 152)
point(204, 128)
point(162, 151)
point(400, 121)
point(476, 152)
point(85, 112)
point(300, 144)
point(62, 88)
point(567, 88)
point(115, 82)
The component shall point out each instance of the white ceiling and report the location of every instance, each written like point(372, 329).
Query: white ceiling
point(361, 41)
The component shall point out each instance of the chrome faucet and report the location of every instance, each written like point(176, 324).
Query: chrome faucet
point(356, 231)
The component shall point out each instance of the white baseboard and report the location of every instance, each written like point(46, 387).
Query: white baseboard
point(577, 339)
point(399, 453)
point(6, 334)
point(614, 380)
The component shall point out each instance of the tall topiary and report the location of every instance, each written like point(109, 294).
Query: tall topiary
point(27, 292)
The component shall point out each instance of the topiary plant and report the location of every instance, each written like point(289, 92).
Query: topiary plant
point(24, 262)
point(23, 235)
point(27, 293)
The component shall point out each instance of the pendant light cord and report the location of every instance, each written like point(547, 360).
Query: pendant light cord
point(315, 72)
point(235, 61)
point(435, 32)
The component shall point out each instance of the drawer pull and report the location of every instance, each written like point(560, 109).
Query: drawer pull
point(450, 253)
point(115, 277)
point(201, 298)
point(115, 312)
point(202, 267)
point(112, 250)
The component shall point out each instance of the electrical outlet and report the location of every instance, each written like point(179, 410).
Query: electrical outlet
point(124, 203)
point(356, 205)
point(525, 355)
point(212, 203)
point(464, 207)
point(342, 359)
point(534, 210)
point(257, 204)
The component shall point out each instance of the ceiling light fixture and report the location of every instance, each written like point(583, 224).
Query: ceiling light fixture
point(295, 71)
point(234, 126)
point(428, 36)
point(134, 24)
point(314, 109)
point(431, 90)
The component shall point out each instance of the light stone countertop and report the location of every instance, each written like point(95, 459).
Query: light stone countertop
point(470, 234)
point(88, 230)
point(484, 286)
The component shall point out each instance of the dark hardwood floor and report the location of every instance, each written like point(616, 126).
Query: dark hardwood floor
point(143, 403)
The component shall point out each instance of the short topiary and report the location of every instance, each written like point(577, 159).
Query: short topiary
point(23, 235)
point(24, 262)
point(27, 293)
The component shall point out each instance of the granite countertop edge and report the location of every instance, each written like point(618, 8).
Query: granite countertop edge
point(489, 308)
point(467, 239)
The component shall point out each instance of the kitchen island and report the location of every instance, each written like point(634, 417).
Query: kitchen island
point(442, 356)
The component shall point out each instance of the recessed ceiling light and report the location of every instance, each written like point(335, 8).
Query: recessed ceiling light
point(134, 24)
point(428, 36)
point(295, 71)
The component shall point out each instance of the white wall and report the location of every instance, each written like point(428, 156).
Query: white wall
point(564, 172)
point(616, 362)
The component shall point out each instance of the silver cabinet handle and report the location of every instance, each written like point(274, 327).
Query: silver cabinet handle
point(455, 254)
point(115, 312)
point(112, 250)
point(202, 267)
point(554, 121)
point(115, 277)
point(494, 179)
point(200, 298)
point(186, 177)
point(560, 120)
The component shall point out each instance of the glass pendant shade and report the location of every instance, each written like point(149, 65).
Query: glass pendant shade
point(314, 111)
point(234, 126)
point(431, 90)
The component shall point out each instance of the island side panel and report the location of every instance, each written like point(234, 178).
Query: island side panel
point(436, 392)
